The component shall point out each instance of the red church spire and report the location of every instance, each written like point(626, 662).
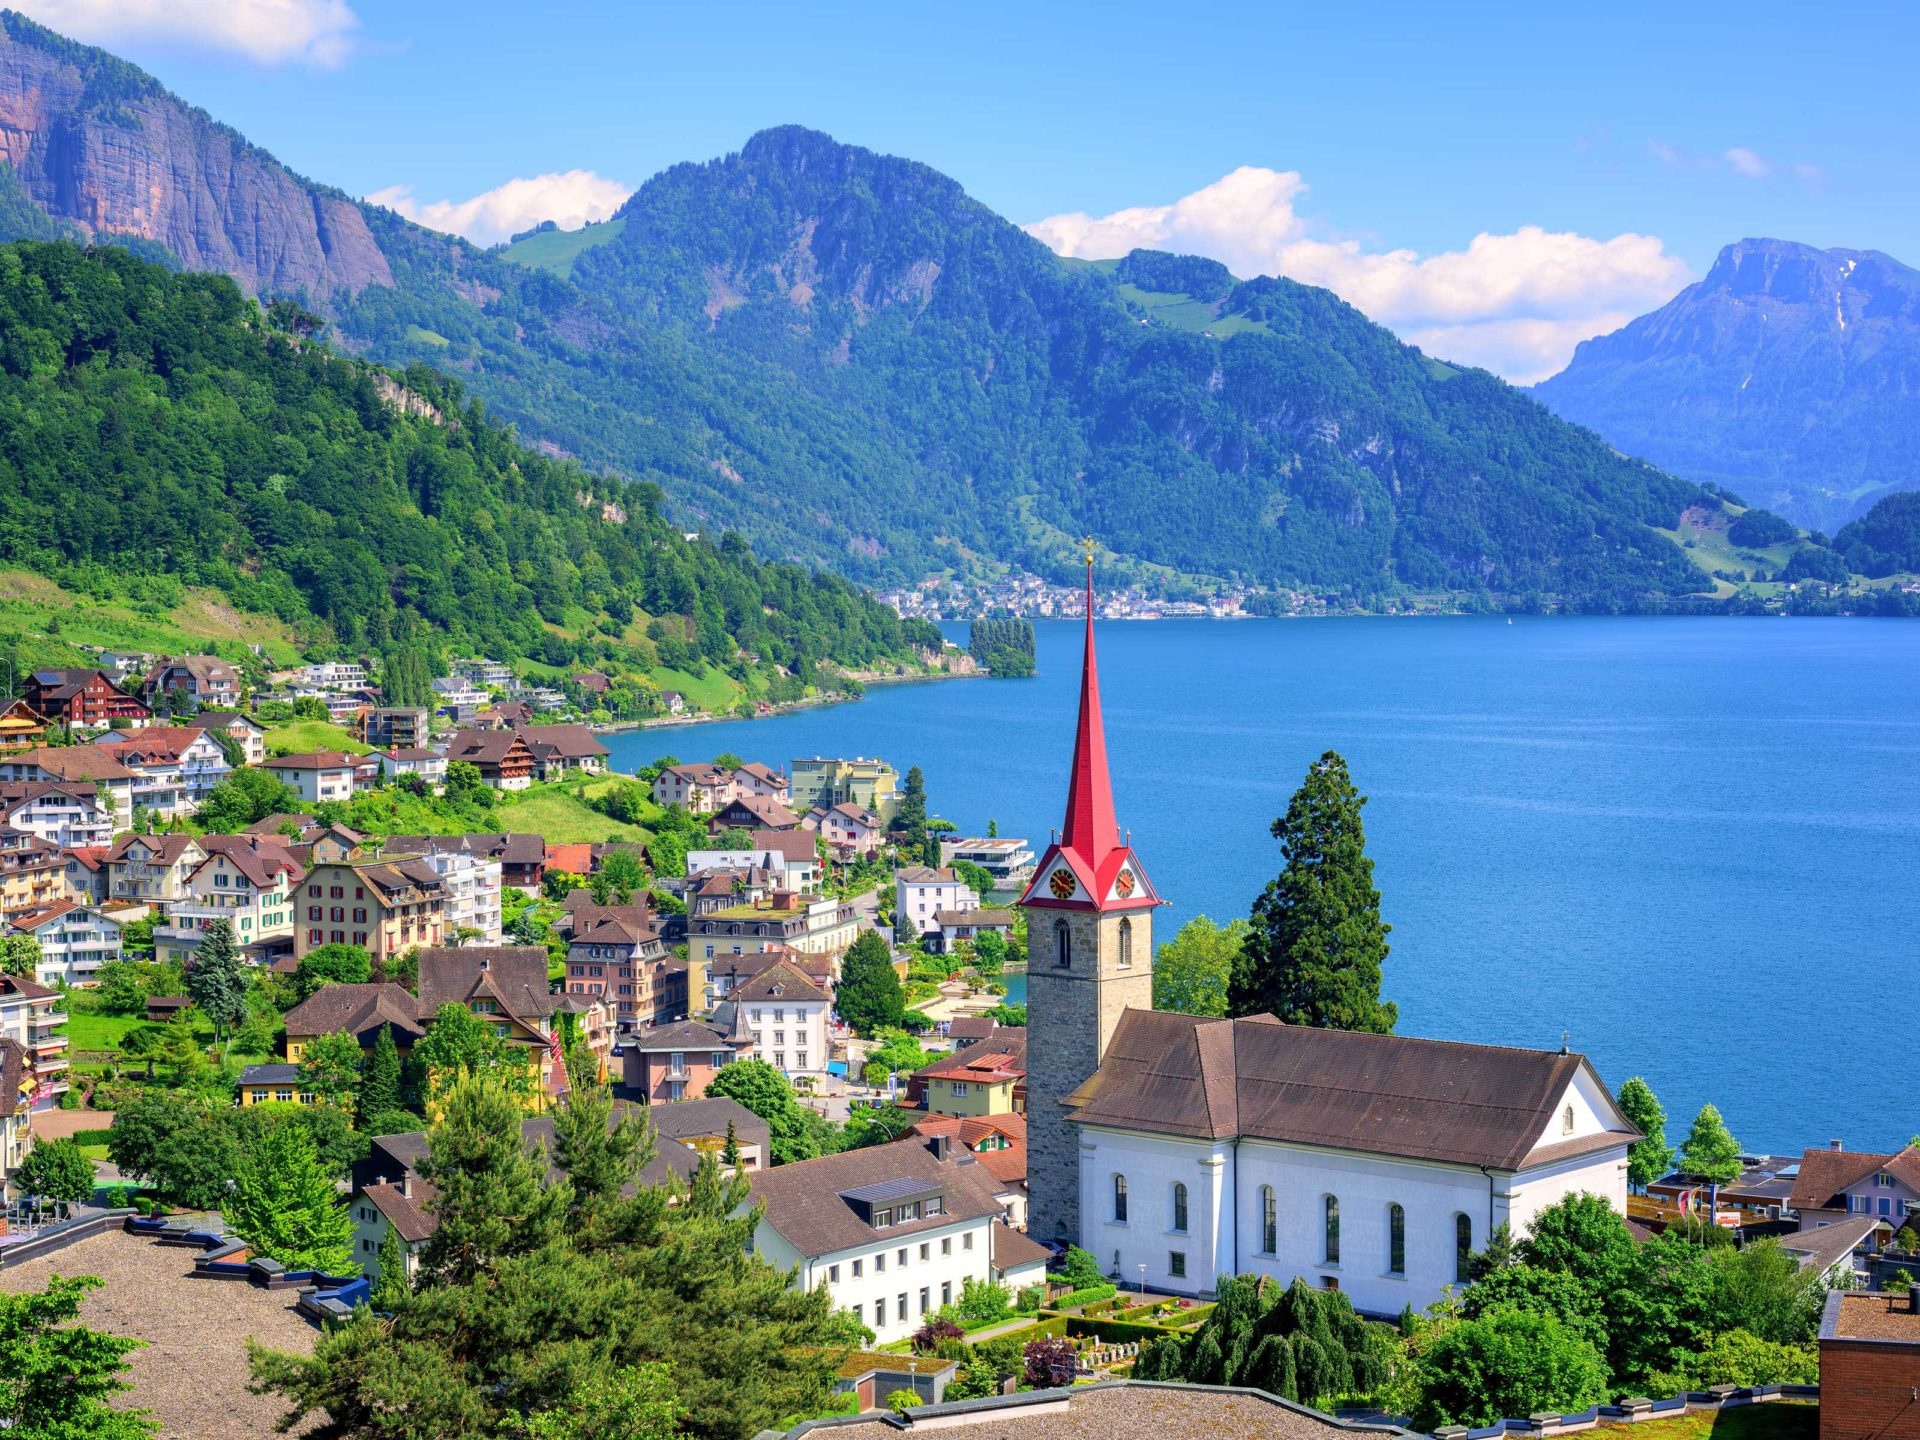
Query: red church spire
point(1090, 832)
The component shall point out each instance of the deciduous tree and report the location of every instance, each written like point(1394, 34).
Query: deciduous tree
point(1193, 970)
point(285, 1205)
point(1649, 1157)
point(58, 1377)
point(55, 1170)
point(1711, 1152)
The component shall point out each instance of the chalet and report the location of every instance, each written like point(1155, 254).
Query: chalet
point(673, 702)
point(697, 789)
point(75, 941)
point(152, 869)
point(676, 1061)
point(86, 699)
point(243, 730)
point(753, 812)
point(33, 873)
point(386, 906)
point(849, 828)
point(316, 775)
point(91, 766)
point(985, 1078)
point(361, 1010)
point(209, 682)
point(505, 985)
point(21, 727)
point(561, 749)
point(503, 757)
point(593, 682)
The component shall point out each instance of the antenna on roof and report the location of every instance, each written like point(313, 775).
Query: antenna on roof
point(1564, 1035)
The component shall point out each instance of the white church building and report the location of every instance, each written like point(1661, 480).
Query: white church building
point(1180, 1148)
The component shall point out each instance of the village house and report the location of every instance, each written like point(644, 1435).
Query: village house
point(335, 675)
point(820, 783)
point(470, 875)
point(68, 816)
point(248, 881)
point(75, 941)
point(676, 1061)
point(389, 727)
point(851, 830)
point(84, 699)
point(892, 1232)
point(920, 893)
point(522, 858)
point(32, 1017)
point(206, 680)
point(969, 925)
point(183, 759)
point(316, 775)
point(277, 1081)
point(728, 973)
point(386, 906)
point(358, 1009)
point(503, 757)
point(697, 789)
point(506, 986)
point(86, 873)
point(998, 1142)
point(764, 781)
point(33, 873)
point(615, 952)
point(21, 727)
point(561, 749)
point(93, 767)
point(987, 1077)
point(242, 729)
point(16, 1123)
point(429, 765)
point(789, 856)
point(752, 812)
point(152, 869)
point(1837, 1184)
point(457, 695)
point(786, 1013)
point(1008, 861)
point(824, 926)
point(673, 702)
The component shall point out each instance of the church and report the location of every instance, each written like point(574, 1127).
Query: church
point(1181, 1148)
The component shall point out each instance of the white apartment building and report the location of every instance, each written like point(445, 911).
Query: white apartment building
point(335, 675)
point(903, 1228)
point(75, 941)
point(250, 886)
point(471, 879)
point(786, 1011)
point(920, 893)
point(1009, 861)
point(69, 816)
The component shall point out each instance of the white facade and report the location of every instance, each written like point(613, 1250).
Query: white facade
point(334, 675)
point(893, 1287)
point(919, 895)
point(68, 820)
point(220, 890)
point(790, 1035)
point(325, 782)
point(74, 946)
point(472, 884)
point(1382, 1263)
point(802, 877)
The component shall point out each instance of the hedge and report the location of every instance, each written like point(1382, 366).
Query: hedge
point(1115, 1332)
point(1073, 1299)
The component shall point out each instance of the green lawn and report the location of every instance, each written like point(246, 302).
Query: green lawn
point(421, 336)
point(299, 737)
point(562, 817)
point(53, 620)
point(715, 690)
point(556, 250)
point(1775, 1420)
point(1183, 312)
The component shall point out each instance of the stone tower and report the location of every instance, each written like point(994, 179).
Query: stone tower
point(1089, 957)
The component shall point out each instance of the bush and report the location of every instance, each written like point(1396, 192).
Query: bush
point(1741, 1358)
point(899, 1400)
point(1050, 1363)
point(1077, 1299)
point(1078, 1270)
point(1508, 1364)
point(928, 1338)
point(982, 1302)
point(1906, 1240)
point(1030, 1299)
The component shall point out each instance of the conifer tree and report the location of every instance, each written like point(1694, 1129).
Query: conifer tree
point(380, 1090)
point(1314, 954)
point(869, 997)
point(598, 1152)
point(285, 1205)
point(494, 1200)
point(217, 983)
point(391, 1286)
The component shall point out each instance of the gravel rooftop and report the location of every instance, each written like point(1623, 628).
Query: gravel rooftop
point(193, 1372)
point(1109, 1413)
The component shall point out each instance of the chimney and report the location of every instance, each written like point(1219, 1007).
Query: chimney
point(940, 1145)
point(406, 1184)
point(1835, 1145)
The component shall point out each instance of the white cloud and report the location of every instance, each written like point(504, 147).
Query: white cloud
point(569, 198)
point(271, 32)
point(1515, 303)
point(1746, 164)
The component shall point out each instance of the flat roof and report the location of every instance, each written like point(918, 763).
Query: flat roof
point(1869, 1315)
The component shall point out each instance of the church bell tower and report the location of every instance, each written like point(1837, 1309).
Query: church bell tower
point(1089, 958)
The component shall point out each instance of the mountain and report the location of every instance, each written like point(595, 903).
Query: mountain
point(1790, 375)
point(157, 430)
point(844, 355)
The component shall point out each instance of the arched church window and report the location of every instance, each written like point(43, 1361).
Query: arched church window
point(1179, 1206)
point(1566, 1121)
point(1332, 1222)
point(1120, 1199)
point(1462, 1248)
point(1126, 944)
point(1062, 944)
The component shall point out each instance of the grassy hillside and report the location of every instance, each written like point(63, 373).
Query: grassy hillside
point(43, 622)
point(554, 251)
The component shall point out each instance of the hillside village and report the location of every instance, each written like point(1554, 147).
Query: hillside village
point(301, 924)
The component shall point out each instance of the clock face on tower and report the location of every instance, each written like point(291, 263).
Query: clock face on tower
point(1123, 883)
point(1061, 883)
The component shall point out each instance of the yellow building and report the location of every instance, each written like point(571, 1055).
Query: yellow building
point(986, 1078)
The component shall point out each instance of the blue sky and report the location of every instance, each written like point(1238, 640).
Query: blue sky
point(1378, 141)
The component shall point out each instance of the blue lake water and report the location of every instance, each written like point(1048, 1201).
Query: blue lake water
point(1693, 845)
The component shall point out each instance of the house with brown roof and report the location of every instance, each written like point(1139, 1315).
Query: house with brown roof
point(153, 868)
point(615, 952)
point(1870, 1366)
point(21, 727)
point(75, 941)
point(503, 758)
point(207, 680)
point(92, 766)
point(752, 812)
point(921, 893)
point(246, 880)
point(999, 1142)
point(67, 816)
point(987, 1077)
point(892, 1232)
point(1835, 1184)
point(1374, 1164)
point(31, 1015)
point(559, 749)
point(851, 829)
point(316, 775)
point(386, 905)
point(360, 1010)
point(239, 727)
point(754, 778)
point(677, 1061)
point(82, 698)
point(697, 789)
point(786, 1013)
point(505, 985)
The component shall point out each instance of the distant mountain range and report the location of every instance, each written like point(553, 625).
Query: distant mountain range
point(843, 355)
point(1789, 375)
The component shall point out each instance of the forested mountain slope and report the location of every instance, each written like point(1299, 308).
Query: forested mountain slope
point(1790, 374)
point(846, 357)
point(158, 423)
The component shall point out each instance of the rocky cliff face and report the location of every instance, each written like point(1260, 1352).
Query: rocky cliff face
point(1789, 374)
point(99, 144)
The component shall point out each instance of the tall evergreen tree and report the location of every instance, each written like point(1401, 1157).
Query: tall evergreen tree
point(217, 983)
point(869, 996)
point(494, 1200)
point(380, 1090)
point(286, 1206)
point(1649, 1156)
point(1314, 954)
point(392, 1287)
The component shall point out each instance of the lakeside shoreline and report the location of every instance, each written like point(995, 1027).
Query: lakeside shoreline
point(815, 702)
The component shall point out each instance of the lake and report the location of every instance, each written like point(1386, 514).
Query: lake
point(1666, 838)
